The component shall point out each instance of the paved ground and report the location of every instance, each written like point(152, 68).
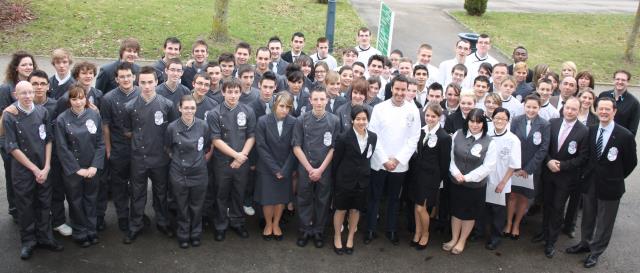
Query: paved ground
point(154, 253)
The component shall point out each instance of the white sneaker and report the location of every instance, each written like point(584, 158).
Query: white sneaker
point(64, 230)
point(249, 210)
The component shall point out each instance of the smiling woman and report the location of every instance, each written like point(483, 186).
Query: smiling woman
point(111, 20)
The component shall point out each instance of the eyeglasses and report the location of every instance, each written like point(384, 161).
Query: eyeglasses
point(206, 84)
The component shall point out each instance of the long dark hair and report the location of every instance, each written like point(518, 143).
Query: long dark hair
point(476, 115)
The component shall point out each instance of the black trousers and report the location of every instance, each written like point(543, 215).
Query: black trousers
point(493, 216)
point(189, 191)
point(139, 178)
point(555, 198)
point(394, 183)
point(230, 187)
point(59, 216)
point(571, 215)
point(82, 197)
point(6, 160)
point(120, 174)
point(33, 202)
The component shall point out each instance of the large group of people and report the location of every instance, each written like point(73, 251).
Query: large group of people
point(472, 145)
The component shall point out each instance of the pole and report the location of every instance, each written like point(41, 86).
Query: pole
point(331, 23)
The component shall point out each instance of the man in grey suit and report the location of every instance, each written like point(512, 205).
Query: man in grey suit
point(612, 157)
point(277, 65)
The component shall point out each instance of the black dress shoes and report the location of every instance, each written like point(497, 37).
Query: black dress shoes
point(123, 224)
point(84, 243)
point(549, 251)
point(196, 242)
point(165, 230)
point(538, 238)
point(393, 237)
point(219, 235)
point(183, 244)
point(241, 231)
point(577, 249)
point(348, 250)
point(278, 237)
point(302, 240)
point(338, 251)
point(591, 261)
point(26, 252)
point(318, 241)
point(53, 246)
point(492, 244)
point(129, 238)
point(267, 237)
point(369, 236)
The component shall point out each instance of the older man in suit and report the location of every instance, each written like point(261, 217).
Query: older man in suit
point(568, 88)
point(568, 152)
point(612, 157)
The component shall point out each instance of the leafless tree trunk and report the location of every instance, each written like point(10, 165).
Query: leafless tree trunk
point(219, 27)
point(631, 41)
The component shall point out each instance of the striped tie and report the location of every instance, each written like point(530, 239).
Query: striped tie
point(599, 143)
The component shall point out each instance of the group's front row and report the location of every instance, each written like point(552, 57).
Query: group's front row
point(480, 175)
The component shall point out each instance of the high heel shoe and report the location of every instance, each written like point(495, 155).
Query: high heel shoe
point(267, 237)
point(447, 247)
point(413, 243)
point(515, 237)
point(338, 251)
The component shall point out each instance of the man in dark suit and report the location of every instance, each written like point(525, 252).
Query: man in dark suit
point(106, 79)
point(628, 108)
point(568, 88)
point(520, 54)
point(277, 65)
point(568, 152)
point(612, 157)
point(297, 44)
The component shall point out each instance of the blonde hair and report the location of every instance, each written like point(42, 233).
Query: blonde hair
point(331, 76)
point(571, 65)
point(60, 54)
point(282, 97)
point(469, 94)
point(520, 65)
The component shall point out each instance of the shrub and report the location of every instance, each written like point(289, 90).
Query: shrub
point(475, 7)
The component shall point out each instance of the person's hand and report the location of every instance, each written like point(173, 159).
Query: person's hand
point(553, 165)
point(521, 173)
point(208, 155)
point(315, 175)
point(240, 157)
point(83, 173)
point(279, 176)
point(189, 63)
point(235, 164)
point(500, 187)
point(12, 109)
point(91, 172)
point(459, 178)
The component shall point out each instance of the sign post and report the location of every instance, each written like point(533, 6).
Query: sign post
point(385, 29)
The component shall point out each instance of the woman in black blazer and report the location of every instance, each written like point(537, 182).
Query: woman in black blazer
point(351, 161)
point(457, 119)
point(427, 167)
point(586, 115)
point(275, 163)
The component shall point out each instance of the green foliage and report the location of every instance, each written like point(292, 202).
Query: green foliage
point(475, 7)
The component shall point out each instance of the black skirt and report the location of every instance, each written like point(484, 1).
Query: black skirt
point(354, 198)
point(466, 203)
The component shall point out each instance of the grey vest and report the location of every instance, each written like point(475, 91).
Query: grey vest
point(465, 160)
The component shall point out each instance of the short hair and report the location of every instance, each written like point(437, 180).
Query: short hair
point(519, 47)
point(552, 74)
point(173, 61)
point(499, 65)
point(571, 65)
point(459, 67)
point(399, 78)
point(533, 97)
point(481, 79)
point(297, 34)
point(606, 98)
point(202, 74)
point(269, 75)
point(617, 72)
point(59, 54)
point(509, 78)
point(304, 60)
point(83, 66)
point(274, 39)
point(496, 98)
point(360, 64)
point(294, 73)
point(435, 87)
point(125, 66)
point(350, 50)
point(357, 109)
point(77, 91)
point(332, 76)
point(230, 83)
point(588, 75)
point(282, 97)
point(397, 51)
point(476, 115)
point(375, 80)
point(364, 29)
point(468, 94)
point(420, 67)
point(376, 57)
point(263, 48)
point(186, 98)
point(436, 108)
point(360, 85)
point(343, 68)
point(501, 110)
point(129, 43)
point(227, 57)
point(520, 65)
point(173, 40)
point(38, 73)
point(546, 81)
point(463, 41)
point(484, 36)
point(319, 88)
point(425, 46)
point(212, 64)
point(148, 70)
point(199, 42)
point(243, 45)
point(322, 40)
point(412, 81)
point(405, 60)
point(245, 69)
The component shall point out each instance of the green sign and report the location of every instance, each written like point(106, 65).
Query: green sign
point(385, 29)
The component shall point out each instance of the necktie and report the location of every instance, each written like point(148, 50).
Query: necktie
point(331, 104)
point(528, 128)
point(295, 102)
point(279, 125)
point(599, 142)
point(424, 141)
point(563, 135)
point(267, 109)
point(619, 100)
point(274, 67)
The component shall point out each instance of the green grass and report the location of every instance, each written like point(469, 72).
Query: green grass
point(93, 28)
point(594, 42)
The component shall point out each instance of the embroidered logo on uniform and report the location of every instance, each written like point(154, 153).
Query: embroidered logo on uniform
point(42, 131)
point(327, 139)
point(475, 150)
point(369, 151)
point(91, 126)
point(200, 143)
point(612, 155)
point(242, 119)
point(505, 151)
point(158, 117)
point(537, 138)
point(573, 147)
point(432, 141)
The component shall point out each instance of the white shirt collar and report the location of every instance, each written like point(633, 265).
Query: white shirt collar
point(476, 136)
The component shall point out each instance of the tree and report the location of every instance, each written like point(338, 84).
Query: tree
point(631, 41)
point(219, 27)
